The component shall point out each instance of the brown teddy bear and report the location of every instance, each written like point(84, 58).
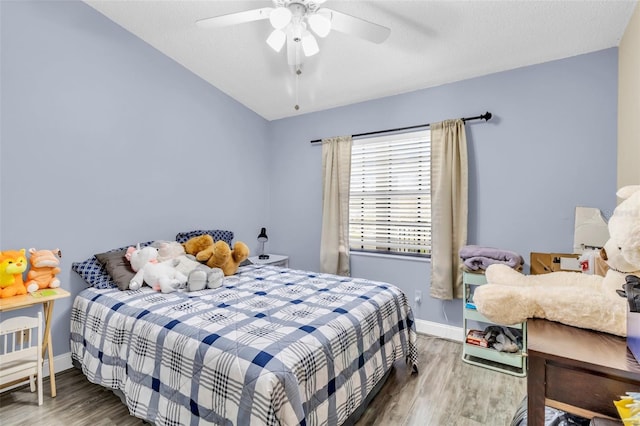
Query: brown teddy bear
point(218, 254)
point(196, 244)
point(221, 256)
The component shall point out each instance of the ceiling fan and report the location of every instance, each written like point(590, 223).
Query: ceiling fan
point(294, 23)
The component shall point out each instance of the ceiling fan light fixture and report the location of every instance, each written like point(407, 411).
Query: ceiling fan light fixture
point(280, 17)
point(309, 44)
point(320, 24)
point(297, 22)
point(276, 40)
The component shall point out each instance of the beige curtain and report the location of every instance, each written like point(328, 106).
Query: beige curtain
point(449, 207)
point(334, 243)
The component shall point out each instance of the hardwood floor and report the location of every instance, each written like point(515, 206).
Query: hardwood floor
point(446, 392)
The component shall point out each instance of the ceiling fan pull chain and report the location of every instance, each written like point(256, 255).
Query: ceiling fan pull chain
point(298, 72)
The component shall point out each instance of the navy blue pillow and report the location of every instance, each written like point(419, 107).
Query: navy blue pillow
point(216, 234)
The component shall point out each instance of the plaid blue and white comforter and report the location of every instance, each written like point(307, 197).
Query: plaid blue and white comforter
point(272, 346)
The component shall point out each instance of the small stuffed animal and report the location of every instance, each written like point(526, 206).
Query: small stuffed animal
point(221, 256)
point(206, 251)
point(12, 264)
point(44, 268)
point(217, 254)
point(199, 276)
point(159, 276)
point(197, 244)
point(168, 250)
point(573, 298)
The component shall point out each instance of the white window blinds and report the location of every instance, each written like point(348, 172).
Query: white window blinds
point(389, 202)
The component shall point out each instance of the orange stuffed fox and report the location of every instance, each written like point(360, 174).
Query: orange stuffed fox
point(12, 264)
point(44, 268)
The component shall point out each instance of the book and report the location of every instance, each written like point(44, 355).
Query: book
point(44, 293)
point(476, 337)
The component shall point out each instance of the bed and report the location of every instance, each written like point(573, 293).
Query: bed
point(272, 346)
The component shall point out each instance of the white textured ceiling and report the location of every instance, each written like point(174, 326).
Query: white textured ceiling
point(431, 43)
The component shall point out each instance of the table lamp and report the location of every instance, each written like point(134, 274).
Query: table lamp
point(262, 238)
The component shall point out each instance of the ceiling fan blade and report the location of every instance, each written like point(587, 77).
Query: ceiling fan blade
point(235, 18)
point(351, 25)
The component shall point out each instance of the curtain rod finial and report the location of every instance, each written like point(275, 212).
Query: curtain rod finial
point(487, 116)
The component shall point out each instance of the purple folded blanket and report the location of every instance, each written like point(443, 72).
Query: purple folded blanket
point(478, 257)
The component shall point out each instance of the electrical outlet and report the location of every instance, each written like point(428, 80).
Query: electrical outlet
point(418, 297)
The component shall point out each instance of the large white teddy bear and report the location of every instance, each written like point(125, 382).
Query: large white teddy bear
point(157, 275)
point(572, 298)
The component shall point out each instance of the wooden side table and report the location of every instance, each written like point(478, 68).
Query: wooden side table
point(46, 298)
point(576, 370)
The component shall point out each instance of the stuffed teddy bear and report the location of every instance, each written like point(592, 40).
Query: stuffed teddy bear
point(573, 298)
point(217, 254)
point(44, 268)
point(221, 256)
point(199, 276)
point(12, 264)
point(195, 245)
point(168, 250)
point(624, 227)
point(159, 276)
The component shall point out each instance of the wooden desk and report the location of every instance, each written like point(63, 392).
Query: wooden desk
point(45, 297)
point(579, 371)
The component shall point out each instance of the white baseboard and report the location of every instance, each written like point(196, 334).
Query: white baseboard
point(60, 363)
point(437, 329)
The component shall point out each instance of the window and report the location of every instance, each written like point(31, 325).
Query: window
point(390, 194)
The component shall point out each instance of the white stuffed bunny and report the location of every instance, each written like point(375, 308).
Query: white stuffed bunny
point(159, 276)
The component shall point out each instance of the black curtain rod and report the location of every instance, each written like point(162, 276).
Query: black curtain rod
point(486, 116)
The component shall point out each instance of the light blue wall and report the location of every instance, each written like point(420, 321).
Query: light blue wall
point(106, 142)
point(550, 147)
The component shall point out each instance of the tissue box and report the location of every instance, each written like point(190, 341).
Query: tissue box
point(633, 333)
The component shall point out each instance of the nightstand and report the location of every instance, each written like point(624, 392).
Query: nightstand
point(273, 260)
